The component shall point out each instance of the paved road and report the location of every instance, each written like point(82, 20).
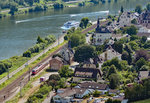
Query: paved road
point(32, 59)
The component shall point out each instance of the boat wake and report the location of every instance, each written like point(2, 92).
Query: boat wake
point(91, 13)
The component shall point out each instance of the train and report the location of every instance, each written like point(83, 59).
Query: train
point(37, 69)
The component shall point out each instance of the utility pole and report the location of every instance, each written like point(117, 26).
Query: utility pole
point(8, 73)
point(58, 39)
point(29, 73)
point(20, 89)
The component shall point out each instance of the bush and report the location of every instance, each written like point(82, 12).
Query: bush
point(27, 54)
point(96, 93)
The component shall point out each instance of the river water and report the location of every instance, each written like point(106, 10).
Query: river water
point(19, 33)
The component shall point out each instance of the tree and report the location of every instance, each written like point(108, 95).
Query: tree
point(140, 63)
point(53, 80)
point(114, 81)
point(143, 39)
point(112, 70)
point(148, 6)
point(54, 77)
point(96, 93)
point(84, 22)
point(134, 37)
point(62, 82)
point(40, 40)
point(142, 54)
point(118, 46)
point(122, 9)
point(138, 9)
point(30, 2)
point(77, 39)
point(13, 9)
point(124, 56)
point(65, 71)
point(27, 54)
point(130, 59)
point(132, 30)
point(84, 52)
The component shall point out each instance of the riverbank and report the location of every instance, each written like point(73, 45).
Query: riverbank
point(44, 7)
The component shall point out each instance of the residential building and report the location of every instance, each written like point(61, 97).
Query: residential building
point(56, 63)
point(102, 33)
point(113, 91)
point(143, 75)
point(126, 18)
point(121, 98)
point(92, 86)
point(67, 54)
point(109, 54)
point(144, 19)
point(81, 74)
point(69, 94)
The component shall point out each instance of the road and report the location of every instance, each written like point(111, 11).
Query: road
point(35, 86)
point(32, 59)
point(8, 91)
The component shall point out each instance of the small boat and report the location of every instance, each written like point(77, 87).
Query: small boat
point(70, 24)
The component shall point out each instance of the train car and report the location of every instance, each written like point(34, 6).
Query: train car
point(37, 69)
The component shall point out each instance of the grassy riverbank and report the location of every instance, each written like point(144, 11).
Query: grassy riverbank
point(7, 82)
point(42, 6)
point(17, 61)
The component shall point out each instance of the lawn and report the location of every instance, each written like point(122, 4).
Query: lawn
point(143, 101)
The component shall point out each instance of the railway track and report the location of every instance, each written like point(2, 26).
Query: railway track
point(23, 79)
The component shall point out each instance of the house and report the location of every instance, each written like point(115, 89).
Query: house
point(121, 98)
point(92, 86)
point(102, 33)
point(144, 19)
point(67, 54)
point(113, 91)
point(65, 96)
point(69, 94)
point(143, 75)
point(109, 54)
point(126, 18)
point(81, 74)
point(56, 63)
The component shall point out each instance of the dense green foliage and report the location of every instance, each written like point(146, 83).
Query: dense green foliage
point(40, 94)
point(138, 91)
point(112, 101)
point(4, 66)
point(84, 52)
point(138, 9)
point(40, 45)
point(65, 71)
point(84, 22)
point(77, 39)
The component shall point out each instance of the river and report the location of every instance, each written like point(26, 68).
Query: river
point(19, 33)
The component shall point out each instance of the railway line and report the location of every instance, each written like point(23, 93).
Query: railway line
point(21, 81)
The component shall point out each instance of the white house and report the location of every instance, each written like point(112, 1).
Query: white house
point(67, 95)
point(102, 33)
point(92, 86)
point(109, 54)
